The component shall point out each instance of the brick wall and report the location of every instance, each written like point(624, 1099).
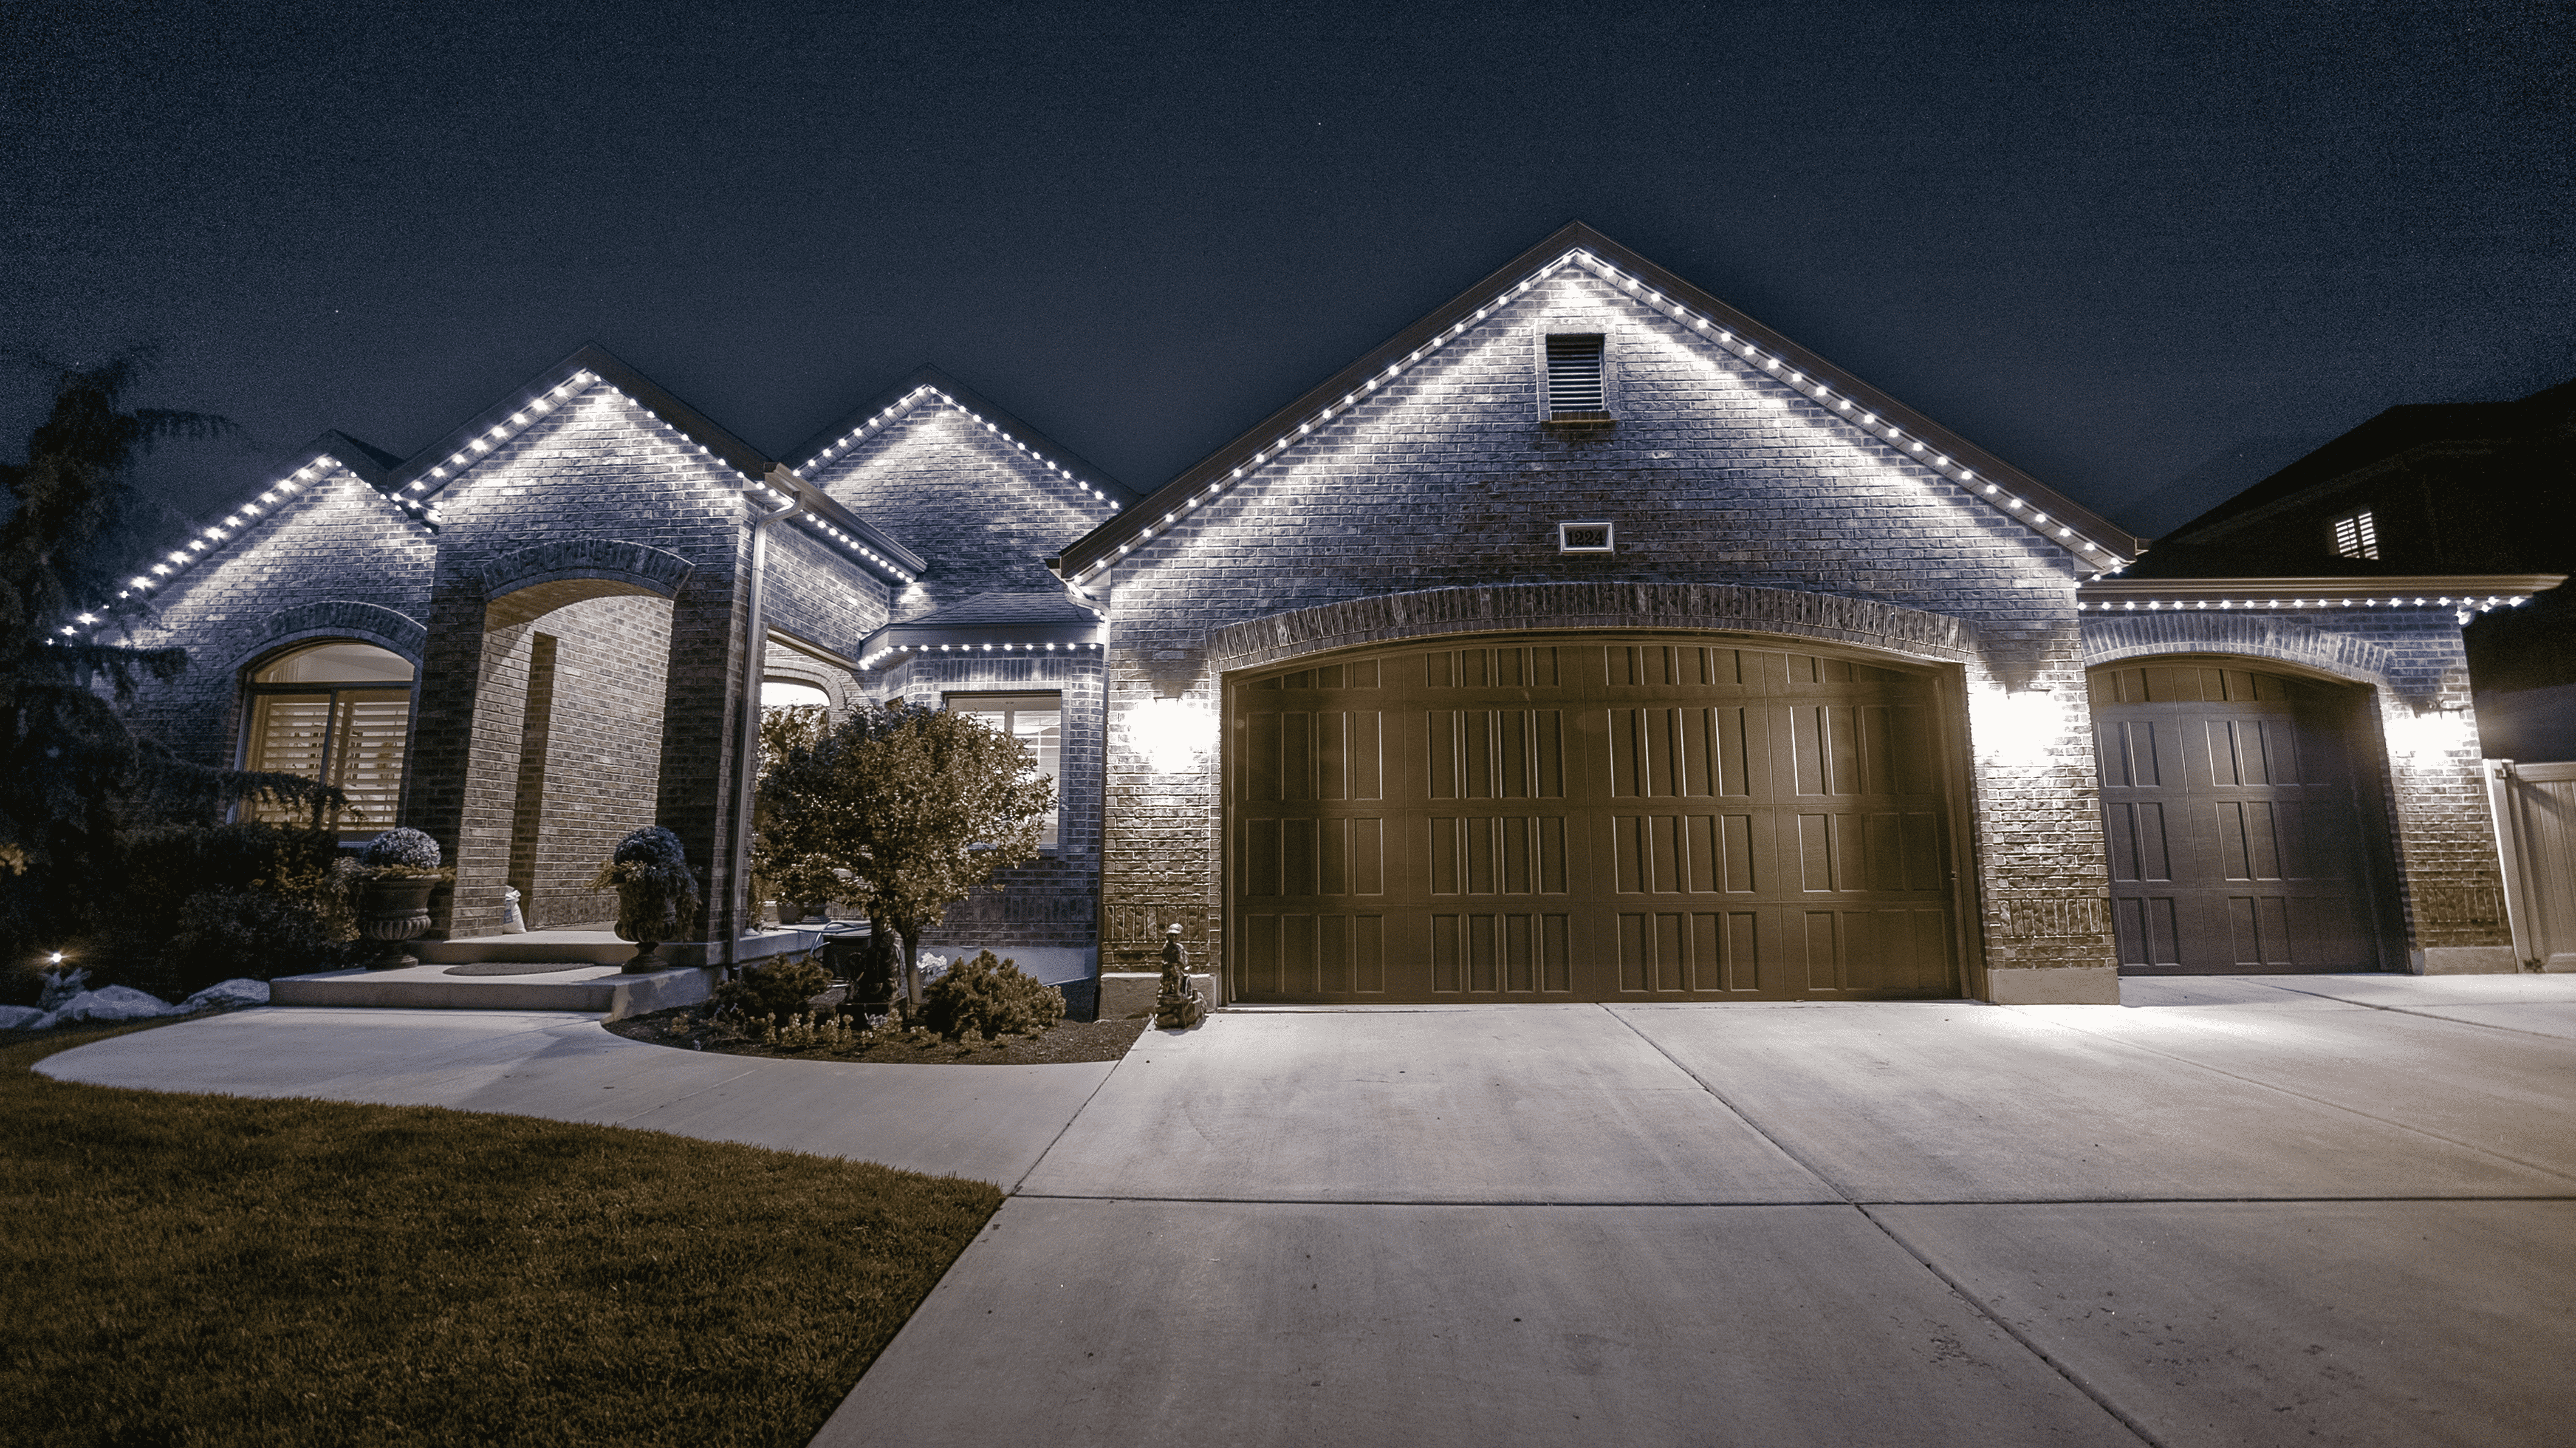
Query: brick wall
point(602, 748)
point(335, 560)
point(1716, 473)
point(980, 511)
point(816, 592)
point(637, 510)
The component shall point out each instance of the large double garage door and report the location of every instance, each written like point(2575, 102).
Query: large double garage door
point(1587, 819)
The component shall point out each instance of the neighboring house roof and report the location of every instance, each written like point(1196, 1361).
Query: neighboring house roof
point(989, 623)
point(927, 386)
point(2517, 453)
point(2096, 540)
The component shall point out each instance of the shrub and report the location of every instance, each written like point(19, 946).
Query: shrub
point(225, 933)
point(781, 987)
point(990, 997)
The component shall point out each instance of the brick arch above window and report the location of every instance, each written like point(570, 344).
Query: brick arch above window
point(606, 560)
point(1727, 608)
point(347, 618)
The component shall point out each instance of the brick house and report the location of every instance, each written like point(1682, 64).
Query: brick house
point(1587, 640)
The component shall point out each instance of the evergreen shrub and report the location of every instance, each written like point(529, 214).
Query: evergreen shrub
point(780, 987)
point(989, 997)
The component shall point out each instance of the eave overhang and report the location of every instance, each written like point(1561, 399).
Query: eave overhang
point(1019, 627)
point(2095, 540)
point(2464, 594)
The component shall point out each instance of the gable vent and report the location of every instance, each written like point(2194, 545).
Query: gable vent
point(1574, 379)
point(2356, 535)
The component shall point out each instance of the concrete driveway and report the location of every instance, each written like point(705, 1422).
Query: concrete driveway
point(2235, 1211)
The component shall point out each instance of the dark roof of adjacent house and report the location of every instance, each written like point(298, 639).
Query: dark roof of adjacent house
point(2524, 448)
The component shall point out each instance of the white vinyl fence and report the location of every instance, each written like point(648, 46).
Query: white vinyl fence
point(2535, 815)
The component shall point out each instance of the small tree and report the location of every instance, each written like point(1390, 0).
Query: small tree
point(785, 729)
point(916, 806)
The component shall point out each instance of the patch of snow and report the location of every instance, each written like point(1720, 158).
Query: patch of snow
point(241, 991)
point(112, 1003)
point(24, 1018)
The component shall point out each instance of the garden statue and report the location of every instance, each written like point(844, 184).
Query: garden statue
point(1178, 1003)
point(657, 897)
point(396, 871)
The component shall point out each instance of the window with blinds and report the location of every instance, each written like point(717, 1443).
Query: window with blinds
point(2356, 535)
point(1574, 384)
point(1037, 722)
point(339, 713)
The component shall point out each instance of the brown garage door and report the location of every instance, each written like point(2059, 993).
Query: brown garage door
point(2238, 839)
point(1609, 818)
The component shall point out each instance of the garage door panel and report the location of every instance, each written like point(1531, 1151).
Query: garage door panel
point(1667, 773)
point(2229, 807)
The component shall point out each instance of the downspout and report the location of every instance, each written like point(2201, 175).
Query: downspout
point(746, 766)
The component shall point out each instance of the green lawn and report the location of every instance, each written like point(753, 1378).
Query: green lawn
point(210, 1270)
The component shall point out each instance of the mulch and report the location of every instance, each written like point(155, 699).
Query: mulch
point(1126, 1010)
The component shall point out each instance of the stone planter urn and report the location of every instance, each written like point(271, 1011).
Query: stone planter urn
point(642, 914)
point(394, 911)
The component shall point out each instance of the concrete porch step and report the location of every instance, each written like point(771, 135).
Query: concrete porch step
point(601, 990)
point(536, 947)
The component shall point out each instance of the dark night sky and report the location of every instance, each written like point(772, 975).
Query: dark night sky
point(2131, 249)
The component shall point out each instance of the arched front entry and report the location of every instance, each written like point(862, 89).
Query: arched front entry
point(2246, 825)
point(1590, 817)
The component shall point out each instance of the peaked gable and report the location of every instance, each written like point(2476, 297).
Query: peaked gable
point(331, 455)
point(1871, 416)
point(986, 498)
point(828, 450)
point(766, 482)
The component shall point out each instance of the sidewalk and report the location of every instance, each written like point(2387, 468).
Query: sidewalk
point(990, 1122)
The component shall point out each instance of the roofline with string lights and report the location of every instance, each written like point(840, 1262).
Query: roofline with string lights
point(2098, 543)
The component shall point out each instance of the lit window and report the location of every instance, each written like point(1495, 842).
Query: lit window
point(1576, 395)
point(1037, 721)
point(2356, 536)
point(337, 712)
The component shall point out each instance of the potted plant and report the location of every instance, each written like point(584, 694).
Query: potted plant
point(657, 897)
point(395, 873)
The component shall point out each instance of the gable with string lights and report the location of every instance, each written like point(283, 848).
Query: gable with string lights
point(831, 457)
point(1869, 418)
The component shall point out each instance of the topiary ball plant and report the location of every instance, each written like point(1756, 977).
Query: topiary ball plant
point(399, 852)
point(657, 897)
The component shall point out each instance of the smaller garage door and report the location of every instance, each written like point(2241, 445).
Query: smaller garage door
point(2239, 839)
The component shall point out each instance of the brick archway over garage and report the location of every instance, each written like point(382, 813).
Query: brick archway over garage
point(609, 560)
point(2110, 639)
point(1700, 607)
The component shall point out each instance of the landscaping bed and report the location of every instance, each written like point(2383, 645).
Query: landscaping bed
point(215, 1270)
point(1126, 1010)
